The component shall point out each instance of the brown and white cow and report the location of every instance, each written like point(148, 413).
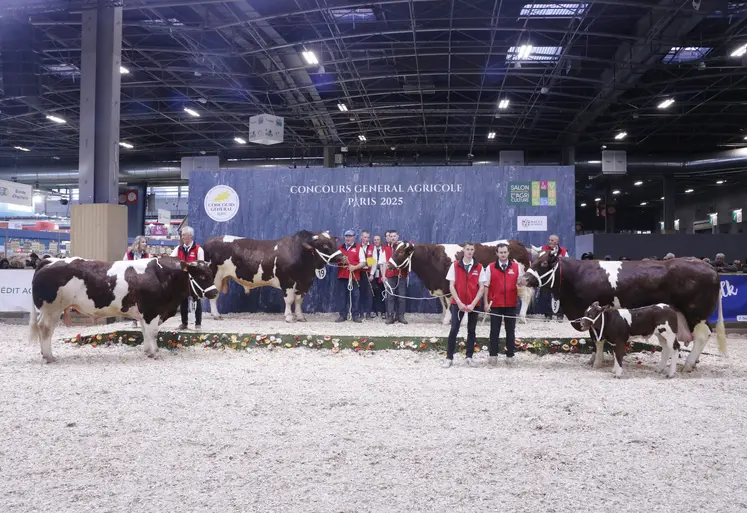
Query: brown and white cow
point(686, 284)
point(431, 262)
point(148, 290)
point(288, 264)
point(618, 326)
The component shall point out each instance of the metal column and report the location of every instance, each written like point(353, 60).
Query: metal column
point(670, 191)
point(101, 55)
point(568, 156)
point(329, 156)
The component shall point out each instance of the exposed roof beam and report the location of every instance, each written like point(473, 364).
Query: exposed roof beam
point(655, 32)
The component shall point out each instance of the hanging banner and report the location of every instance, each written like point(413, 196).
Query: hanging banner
point(734, 298)
point(14, 193)
point(15, 291)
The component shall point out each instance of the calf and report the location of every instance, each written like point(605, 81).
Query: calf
point(149, 291)
point(618, 326)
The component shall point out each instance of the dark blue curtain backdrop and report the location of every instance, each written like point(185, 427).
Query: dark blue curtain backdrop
point(425, 204)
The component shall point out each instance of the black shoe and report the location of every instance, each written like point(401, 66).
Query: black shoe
point(182, 327)
point(341, 319)
point(357, 319)
point(390, 320)
point(402, 320)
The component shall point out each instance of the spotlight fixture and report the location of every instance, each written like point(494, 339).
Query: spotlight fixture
point(621, 135)
point(503, 104)
point(126, 145)
point(56, 119)
point(191, 112)
point(310, 57)
point(239, 140)
point(123, 70)
point(639, 182)
point(342, 107)
point(362, 138)
point(666, 103)
point(21, 148)
point(491, 136)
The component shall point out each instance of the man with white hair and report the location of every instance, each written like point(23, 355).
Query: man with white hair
point(189, 251)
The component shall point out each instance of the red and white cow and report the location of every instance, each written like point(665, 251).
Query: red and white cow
point(288, 264)
point(149, 291)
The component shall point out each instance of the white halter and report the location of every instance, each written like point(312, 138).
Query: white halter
point(321, 273)
point(549, 274)
point(196, 286)
point(593, 321)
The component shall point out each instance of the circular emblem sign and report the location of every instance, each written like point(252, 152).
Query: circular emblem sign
point(221, 203)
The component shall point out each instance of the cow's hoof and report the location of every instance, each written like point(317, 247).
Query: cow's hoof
point(688, 368)
point(155, 356)
point(617, 375)
point(49, 359)
point(290, 319)
point(218, 317)
point(670, 375)
point(301, 319)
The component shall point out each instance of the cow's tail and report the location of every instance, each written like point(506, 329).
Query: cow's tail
point(34, 334)
point(720, 328)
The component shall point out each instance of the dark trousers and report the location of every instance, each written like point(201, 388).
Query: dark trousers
point(495, 330)
point(348, 301)
point(395, 306)
point(378, 305)
point(185, 310)
point(456, 321)
point(366, 295)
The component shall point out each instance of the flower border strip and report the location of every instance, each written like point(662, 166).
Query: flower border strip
point(178, 340)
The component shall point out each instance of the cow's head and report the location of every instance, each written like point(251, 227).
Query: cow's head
point(200, 279)
point(543, 270)
point(401, 254)
point(591, 315)
point(324, 248)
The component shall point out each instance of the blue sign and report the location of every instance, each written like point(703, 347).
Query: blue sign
point(734, 298)
point(424, 204)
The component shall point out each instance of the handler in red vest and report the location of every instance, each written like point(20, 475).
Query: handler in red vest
point(138, 250)
point(501, 298)
point(466, 289)
point(397, 280)
point(545, 296)
point(189, 251)
point(349, 299)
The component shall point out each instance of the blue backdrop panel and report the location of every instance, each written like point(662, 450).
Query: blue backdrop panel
point(468, 203)
point(734, 298)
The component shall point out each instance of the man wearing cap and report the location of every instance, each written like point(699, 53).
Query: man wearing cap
point(349, 275)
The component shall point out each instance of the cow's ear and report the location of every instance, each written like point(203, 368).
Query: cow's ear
point(185, 265)
point(307, 245)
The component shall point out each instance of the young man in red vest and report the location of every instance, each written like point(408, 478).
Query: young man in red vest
point(189, 251)
point(350, 300)
point(375, 276)
point(546, 297)
point(466, 290)
point(501, 298)
point(397, 280)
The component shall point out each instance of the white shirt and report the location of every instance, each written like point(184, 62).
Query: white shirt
point(485, 276)
point(362, 254)
point(382, 256)
point(375, 270)
point(451, 275)
point(200, 252)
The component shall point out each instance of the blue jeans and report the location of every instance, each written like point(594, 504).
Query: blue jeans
point(344, 297)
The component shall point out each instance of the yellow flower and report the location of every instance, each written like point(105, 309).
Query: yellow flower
point(243, 343)
point(98, 337)
point(233, 346)
point(234, 338)
point(574, 342)
point(355, 343)
point(288, 345)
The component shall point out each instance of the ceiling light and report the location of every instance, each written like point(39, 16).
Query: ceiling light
point(310, 57)
point(621, 135)
point(123, 70)
point(56, 119)
point(616, 192)
point(644, 203)
point(491, 135)
point(524, 52)
point(362, 138)
point(583, 204)
point(662, 197)
point(239, 140)
point(666, 103)
point(597, 199)
point(126, 145)
point(745, 137)
point(503, 104)
point(21, 148)
point(342, 107)
point(688, 191)
point(719, 182)
point(639, 182)
point(191, 112)
point(739, 51)
point(594, 162)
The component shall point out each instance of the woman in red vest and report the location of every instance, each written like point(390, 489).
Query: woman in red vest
point(501, 298)
point(466, 289)
point(138, 249)
point(189, 251)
